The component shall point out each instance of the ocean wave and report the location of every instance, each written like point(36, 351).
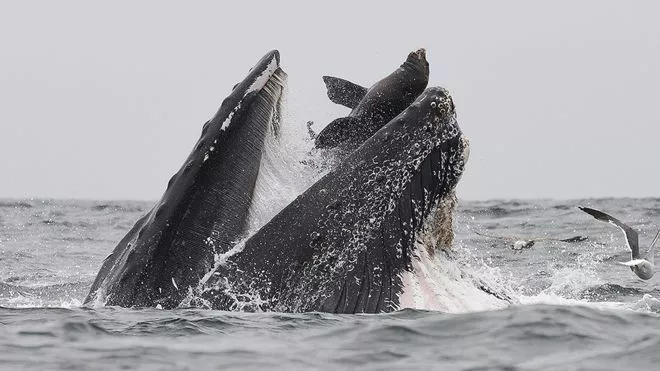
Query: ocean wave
point(66, 223)
point(534, 337)
point(121, 207)
point(609, 292)
point(16, 204)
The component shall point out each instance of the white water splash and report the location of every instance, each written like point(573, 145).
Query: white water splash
point(441, 283)
point(21, 301)
point(284, 173)
point(565, 284)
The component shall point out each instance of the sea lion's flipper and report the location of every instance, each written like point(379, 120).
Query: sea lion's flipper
point(344, 92)
point(337, 132)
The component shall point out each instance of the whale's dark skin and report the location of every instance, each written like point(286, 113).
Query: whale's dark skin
point(205, 207)
point(374, 107)
point(343, 244)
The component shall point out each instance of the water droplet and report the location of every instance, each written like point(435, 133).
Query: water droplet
point(334, 205)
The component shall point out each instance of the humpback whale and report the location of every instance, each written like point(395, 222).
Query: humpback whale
point(205, 207)
point(374, 107)
point(344, 245)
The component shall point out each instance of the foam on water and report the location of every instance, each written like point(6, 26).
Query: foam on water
point(32, 302)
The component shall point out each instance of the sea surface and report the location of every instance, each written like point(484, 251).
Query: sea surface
point(572, 306)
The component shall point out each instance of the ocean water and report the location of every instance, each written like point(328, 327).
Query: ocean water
point(572, 306)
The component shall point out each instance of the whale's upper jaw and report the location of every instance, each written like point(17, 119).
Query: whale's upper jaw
point(265, 71)
point(255, 101)
point(145, 269)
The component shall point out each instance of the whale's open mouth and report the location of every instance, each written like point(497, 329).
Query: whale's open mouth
point(341, 246)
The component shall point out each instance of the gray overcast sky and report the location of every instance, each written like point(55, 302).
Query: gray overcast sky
point(106, 99)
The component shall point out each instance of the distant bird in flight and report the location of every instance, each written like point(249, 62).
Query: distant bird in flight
point(519, 244)
point(643, 268)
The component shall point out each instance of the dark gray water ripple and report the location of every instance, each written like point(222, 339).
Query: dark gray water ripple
point(536, 337)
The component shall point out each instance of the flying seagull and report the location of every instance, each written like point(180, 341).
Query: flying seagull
point(643, 268)
point(519, 244)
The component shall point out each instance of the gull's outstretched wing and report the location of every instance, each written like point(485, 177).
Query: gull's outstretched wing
point(651, 254)
point(632, 238)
